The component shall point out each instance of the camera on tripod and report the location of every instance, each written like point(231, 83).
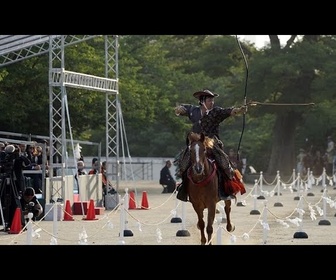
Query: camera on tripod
point(30, 207)
point(8, 192)
point(7, 158)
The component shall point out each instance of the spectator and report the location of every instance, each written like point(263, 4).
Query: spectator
point(19, 164)
point(12, 183)
point(318, 164)
point(107, 184)
point(47, 150)
point(166, 179)
point(95, 167)
point(110, 195)
point(23, 149)
point(309, 159)
point(330, 156)
point(35, 156)
point(30, 203)
point(300, 162)
point(81, 168)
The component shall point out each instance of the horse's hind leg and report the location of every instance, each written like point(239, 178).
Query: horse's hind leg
point(227, 208)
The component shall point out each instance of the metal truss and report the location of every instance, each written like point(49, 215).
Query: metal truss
point(78, 80)
point(59, 79)
point(14, 48)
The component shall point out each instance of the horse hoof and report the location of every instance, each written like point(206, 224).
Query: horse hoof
point(231, 228)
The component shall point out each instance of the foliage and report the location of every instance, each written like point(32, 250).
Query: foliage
point(158, 72)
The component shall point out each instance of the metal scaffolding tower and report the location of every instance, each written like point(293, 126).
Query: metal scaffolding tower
point(20, 47)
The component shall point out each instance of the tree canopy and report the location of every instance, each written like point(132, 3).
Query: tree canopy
point(157, 72)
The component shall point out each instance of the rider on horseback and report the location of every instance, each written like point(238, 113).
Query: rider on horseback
point(206, 118)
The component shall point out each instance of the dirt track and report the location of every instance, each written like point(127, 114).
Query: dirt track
point(273, 220)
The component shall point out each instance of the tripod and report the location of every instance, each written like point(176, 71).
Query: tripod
point(9, 199)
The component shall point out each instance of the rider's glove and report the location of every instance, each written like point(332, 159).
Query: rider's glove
point(180, 110)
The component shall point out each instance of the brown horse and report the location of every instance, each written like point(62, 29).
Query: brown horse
point(202, 186)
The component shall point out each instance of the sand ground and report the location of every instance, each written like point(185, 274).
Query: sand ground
point(261, 217)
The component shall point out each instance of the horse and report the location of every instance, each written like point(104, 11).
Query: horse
point(202, 185)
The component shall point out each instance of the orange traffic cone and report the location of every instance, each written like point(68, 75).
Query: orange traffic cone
point(67, 212)
point(16, 225)
point(131, 202)
point(91, 215)
point(144, 201)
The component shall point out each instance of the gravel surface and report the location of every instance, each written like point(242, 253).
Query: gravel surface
point(261, 217)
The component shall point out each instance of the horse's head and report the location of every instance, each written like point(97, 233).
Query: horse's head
point(197, 152)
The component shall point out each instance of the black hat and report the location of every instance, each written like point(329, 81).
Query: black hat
point(204, 92)
point(29, 191)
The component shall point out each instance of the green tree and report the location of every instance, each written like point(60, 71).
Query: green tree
point(157, 72)
point(24, 97)
point(287, 75)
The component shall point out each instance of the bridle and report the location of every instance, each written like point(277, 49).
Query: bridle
point(198, 167)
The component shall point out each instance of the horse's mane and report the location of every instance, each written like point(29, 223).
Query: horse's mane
point(194, 137)
point(208, 142)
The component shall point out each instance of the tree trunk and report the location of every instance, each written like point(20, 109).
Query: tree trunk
point(283, 158)
point(283, 154)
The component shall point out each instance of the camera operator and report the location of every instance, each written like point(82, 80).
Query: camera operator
point(30, 204)
point(20, 163)
point(12, 180)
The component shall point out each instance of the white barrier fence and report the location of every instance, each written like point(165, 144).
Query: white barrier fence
point(296, 187)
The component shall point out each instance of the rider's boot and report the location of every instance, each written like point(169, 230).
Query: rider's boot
point(224, 196)
point(221, 192)
point(181, 191)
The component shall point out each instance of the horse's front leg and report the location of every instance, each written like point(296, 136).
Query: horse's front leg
point(201, 225)
point(211, 218)
point(227, 208)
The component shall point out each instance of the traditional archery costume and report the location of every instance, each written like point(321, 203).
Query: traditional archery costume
point(207, 121)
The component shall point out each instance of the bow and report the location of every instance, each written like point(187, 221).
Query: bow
point(245, 96)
